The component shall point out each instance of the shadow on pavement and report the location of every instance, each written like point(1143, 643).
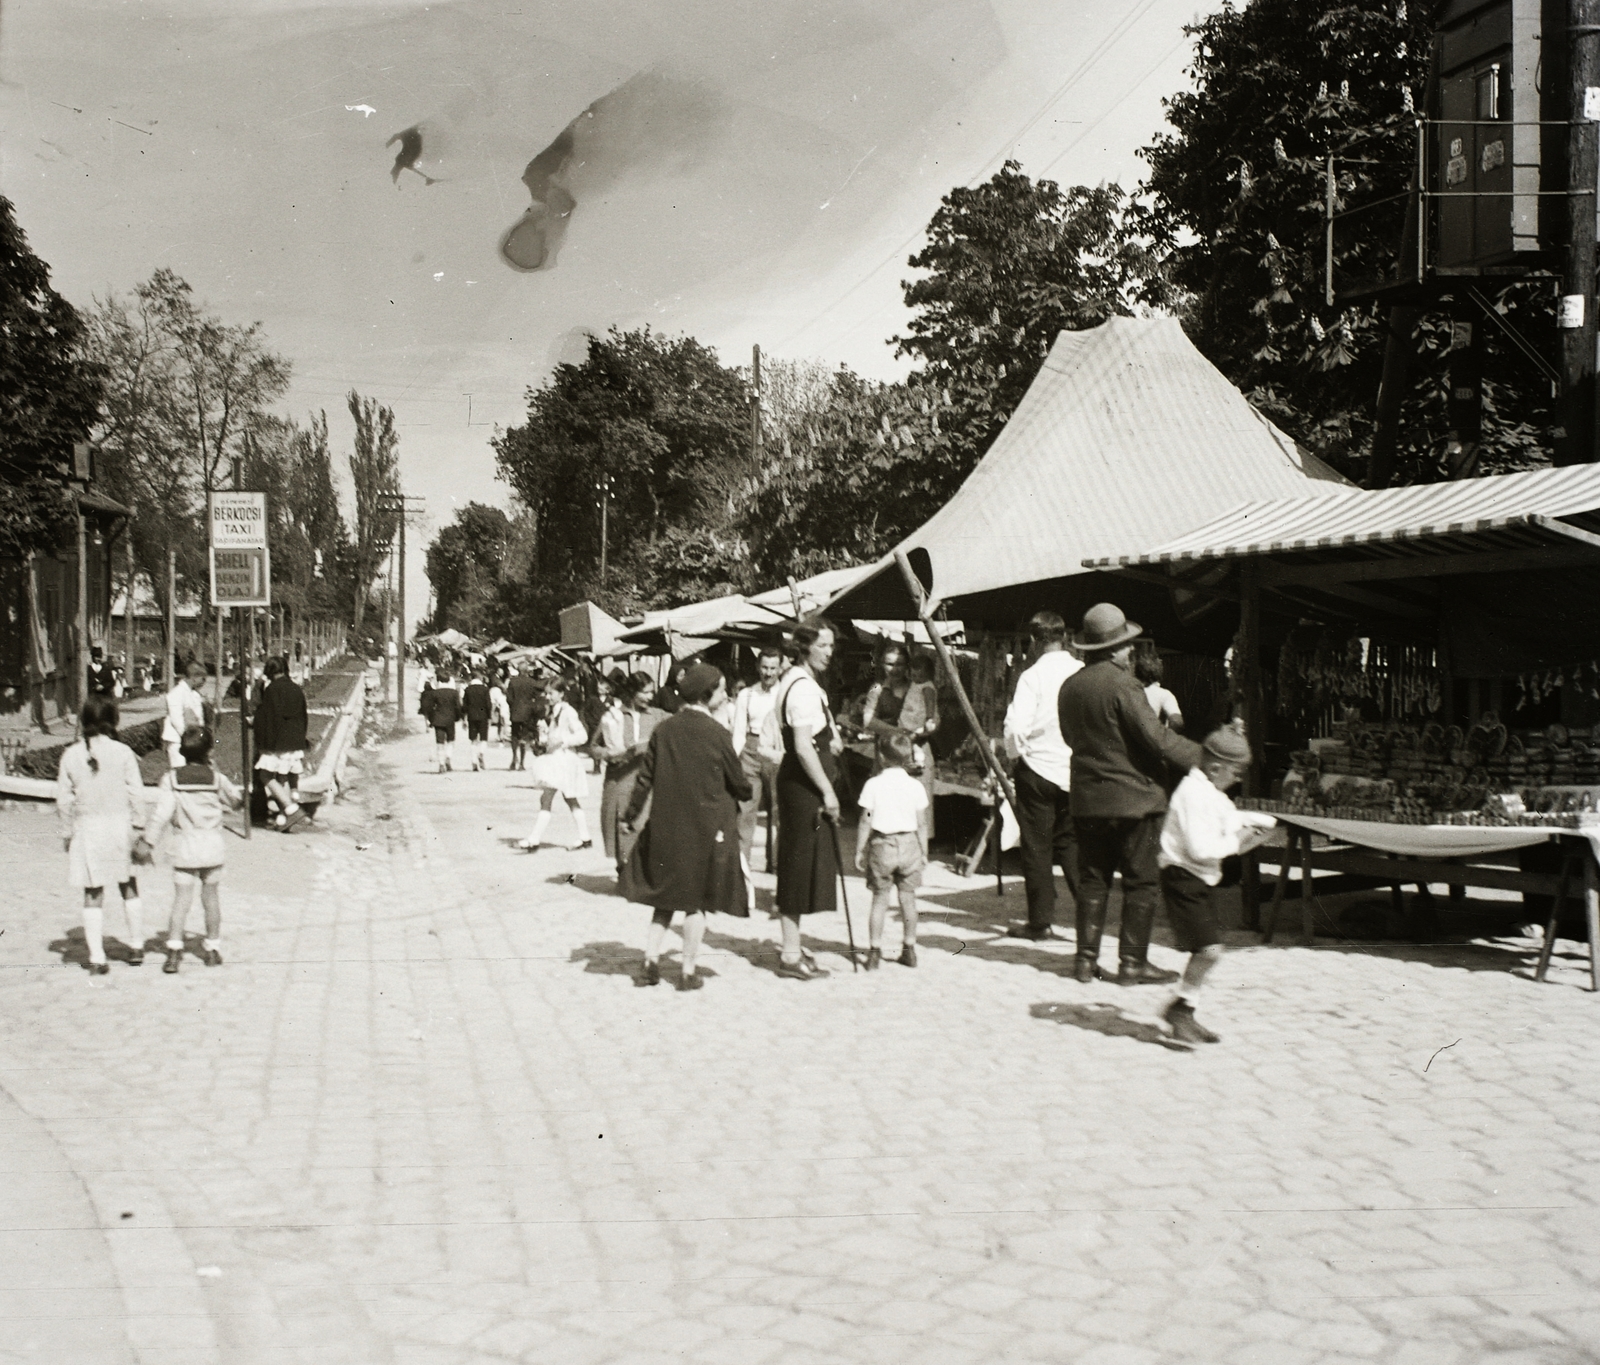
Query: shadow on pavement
point(609, 959)
point(74, 948)
point(1098, 1016)
point(595, 883)
point(1018, 952)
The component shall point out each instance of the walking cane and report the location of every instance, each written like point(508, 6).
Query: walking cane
point(844, 897)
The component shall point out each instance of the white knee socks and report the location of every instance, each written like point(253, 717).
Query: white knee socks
point(541, 822)
point(94, 929)
point(133, 908)
point(582, 822)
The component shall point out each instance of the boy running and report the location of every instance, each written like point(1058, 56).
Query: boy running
point(892, 844)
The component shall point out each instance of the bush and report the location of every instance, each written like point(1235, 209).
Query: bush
point(46, 763)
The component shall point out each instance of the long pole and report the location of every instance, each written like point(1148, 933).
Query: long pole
point(755, 404)
point(1575, 316)
point(81, 625)
point(985, 745)
point(170, 662)
point(400, 642)
point(127, 613)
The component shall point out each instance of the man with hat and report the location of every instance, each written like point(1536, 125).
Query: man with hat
point(1120, 757)
point(102, 677)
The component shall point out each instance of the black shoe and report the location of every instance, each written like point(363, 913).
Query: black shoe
point(1030, 931)
point(908, 956)
point(136, 957)
point(652, 974)
point(1185, 1027)
point(212, 958)
point(1131, 973)
point(587, 843)
point(1086, 969)
point(803, 970)
point(874, 957)
point(690, 981)
point(174, 957)
point(99, 968)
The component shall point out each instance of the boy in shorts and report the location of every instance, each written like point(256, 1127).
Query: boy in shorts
point(190, 800)
point(1202, 828)
point(892, 844)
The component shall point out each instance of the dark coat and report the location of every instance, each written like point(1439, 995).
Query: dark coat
point(687, 857)
point(444, 706)
point(475, 702)
point(522, 699)
point(280, 719)
point(1120, 750)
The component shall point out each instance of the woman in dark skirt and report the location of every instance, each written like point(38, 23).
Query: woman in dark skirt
point(807, 802)
point(687, 856)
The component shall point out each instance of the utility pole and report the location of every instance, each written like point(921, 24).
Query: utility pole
point(1575, 314)
point(169, 663)
point(401, 505)
point(127, 614)
point(755, 405)
point(605, 522)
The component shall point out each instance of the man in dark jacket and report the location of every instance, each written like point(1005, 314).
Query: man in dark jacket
point(279, 724)
point(1120, 757)
point(524, 700)
point(477, 707)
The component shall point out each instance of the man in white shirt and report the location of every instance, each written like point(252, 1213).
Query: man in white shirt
point(185, 708)
point(1043, 774)
point(750, 711)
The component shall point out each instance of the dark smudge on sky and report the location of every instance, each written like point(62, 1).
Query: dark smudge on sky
point(410, 140)
point(651, 120)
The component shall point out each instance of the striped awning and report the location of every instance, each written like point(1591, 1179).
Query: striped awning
point(1541, 508)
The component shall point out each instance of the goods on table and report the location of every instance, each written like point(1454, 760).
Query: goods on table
point(1437, 774)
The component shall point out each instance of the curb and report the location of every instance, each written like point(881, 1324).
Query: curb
point(326, 783)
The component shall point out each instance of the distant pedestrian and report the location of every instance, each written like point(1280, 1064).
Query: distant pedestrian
point(750, 711)
point(524, 704)
point(558, 771)
point(444, 710)
point(100, 801)
point(102, 677)
point(687, 857)
point(1151, 674)
point(808, 870)
point(185, 707)
point(190, 801)
point(478, 706)
point(892, 845)
point(1202, 828)
point(499, 713)
point(1042, 776)
point(624, 736)
point(279, 726)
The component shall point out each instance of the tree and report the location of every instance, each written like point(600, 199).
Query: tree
point(466, 563)
point(1237, 193)
point(375, 470)
point(1011, 263)
point(50, 392)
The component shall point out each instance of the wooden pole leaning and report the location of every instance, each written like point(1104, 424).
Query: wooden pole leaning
point(985, 746)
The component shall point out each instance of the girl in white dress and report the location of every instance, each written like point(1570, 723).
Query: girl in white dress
point(559, 769)
point(100, 800)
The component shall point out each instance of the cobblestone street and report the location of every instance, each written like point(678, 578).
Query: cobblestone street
point(423, 1115)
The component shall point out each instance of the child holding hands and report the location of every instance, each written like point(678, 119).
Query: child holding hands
point(190, 799)
point(1202, 828)
point(892, 844)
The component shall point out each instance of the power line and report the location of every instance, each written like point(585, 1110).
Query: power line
point(1132, 91)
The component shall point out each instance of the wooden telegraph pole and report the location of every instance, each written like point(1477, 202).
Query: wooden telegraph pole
point(756, 448)
point(1575, 313)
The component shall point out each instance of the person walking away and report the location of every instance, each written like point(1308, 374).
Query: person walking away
point(478, 706)
point(1151, 673)
point(499, 716)
point(1120, 759)
point(102, 677)
point(624, 737)
point(892, 845)
point(100, 801)
point(444, 710)
point(185, 707)
point(558, 771)
point(750, 711)
point(1203, 827)
point(808, 871)
point(522, 707)
point(686, 859)
point(280, 734)
point(1042, 775)
point(190, 802)
point(919, 718)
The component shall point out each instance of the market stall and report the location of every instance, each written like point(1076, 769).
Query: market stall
point(1434, 712)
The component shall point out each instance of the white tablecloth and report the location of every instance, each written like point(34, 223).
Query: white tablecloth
point(1431, 841)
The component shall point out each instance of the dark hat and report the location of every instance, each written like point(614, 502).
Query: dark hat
point(1105, 627)
point(698, 682)
point(1227, 744)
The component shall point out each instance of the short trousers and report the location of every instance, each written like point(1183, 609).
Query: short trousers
point(1191, 909)
point(894, 860)
point(478, 731)
point(524, 731)
point(209, 876)
point(445, 734)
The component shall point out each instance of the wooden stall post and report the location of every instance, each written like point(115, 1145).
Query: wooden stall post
point(1251, 708)
point(985, 747)
point(1591, 915)
point(127, 615)
point(80, 619)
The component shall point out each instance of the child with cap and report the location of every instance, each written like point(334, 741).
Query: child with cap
point(1203, 827)
point(892, 843)
point(191, 799)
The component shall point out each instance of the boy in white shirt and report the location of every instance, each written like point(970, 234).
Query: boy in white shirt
point(892, 844)
point(1202, 828)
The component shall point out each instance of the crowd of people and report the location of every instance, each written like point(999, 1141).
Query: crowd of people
point(1106, 785)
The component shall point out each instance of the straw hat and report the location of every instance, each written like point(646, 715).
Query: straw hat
point(1105, 627)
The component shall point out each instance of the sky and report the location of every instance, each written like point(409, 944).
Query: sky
point(435, 203)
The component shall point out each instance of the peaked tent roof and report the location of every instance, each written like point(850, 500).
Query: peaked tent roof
point(1128, 436)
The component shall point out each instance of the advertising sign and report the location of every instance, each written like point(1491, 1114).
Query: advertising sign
point(241, 571)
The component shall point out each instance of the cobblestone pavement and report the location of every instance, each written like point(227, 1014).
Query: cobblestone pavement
point(424, 1115)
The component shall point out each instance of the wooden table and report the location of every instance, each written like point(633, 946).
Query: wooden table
point(1352, 856)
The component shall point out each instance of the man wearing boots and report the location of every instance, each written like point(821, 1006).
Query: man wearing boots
point(1043, 774)
point(1121, 755)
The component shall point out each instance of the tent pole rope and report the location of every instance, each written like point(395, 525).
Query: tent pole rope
point(985, 746)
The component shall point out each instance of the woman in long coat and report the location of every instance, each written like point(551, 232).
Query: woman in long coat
point(687, 857)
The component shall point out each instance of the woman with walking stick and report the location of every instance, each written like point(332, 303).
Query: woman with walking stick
point(687, 857)
point(807, 865)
